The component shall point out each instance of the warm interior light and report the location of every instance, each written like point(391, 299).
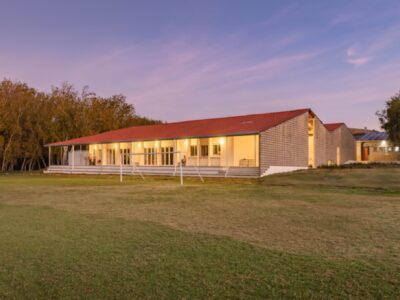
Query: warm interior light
point(186, 143)
point(115, 146)
point(157, 144)
point(95, 147)
point(221, 141)
point(139, 145)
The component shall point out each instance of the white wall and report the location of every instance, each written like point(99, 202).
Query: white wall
point(245, 148)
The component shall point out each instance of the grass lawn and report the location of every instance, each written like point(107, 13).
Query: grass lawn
point(312, 234)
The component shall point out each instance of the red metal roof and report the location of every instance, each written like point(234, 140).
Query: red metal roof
point(237, 125)
point(333, 126)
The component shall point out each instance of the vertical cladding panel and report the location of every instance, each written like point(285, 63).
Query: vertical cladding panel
point(343, 139)
point(285, 144)
point(327, 142)
point(321, 137)
point(330, 147)
point(347, 144)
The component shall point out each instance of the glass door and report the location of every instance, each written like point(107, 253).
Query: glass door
point(167, 156)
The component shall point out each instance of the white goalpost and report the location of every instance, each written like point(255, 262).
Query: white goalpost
point(136, 161)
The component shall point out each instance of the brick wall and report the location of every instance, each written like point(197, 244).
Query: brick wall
point(285, 144)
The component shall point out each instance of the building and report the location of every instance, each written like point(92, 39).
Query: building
point(339, 144)
point(374, 146)
point(240, 146)
point(359, 132)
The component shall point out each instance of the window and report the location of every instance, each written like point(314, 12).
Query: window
point(217, 149)
point(111, 156)
point(150, 156)
point(92, 158)
point(204, 150)
point(167, 156)
point(126, 156)
point(193, 150)
point(100, 157)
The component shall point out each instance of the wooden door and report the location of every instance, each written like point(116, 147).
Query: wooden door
point(365, 153)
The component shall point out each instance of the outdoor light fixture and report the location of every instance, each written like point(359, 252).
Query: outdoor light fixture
point(221, 141)
point(186, 143)
point(115, 146)
point(95, 147)
point(139, 145)
point(157, 144)
point(383, 144)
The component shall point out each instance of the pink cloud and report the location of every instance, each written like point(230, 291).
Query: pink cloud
point(359, 61)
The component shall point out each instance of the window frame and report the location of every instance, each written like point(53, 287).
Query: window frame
point(202, 152)
point(217, 149)
point(193, 151)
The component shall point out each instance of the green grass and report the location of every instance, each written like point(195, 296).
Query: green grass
point(316, 234)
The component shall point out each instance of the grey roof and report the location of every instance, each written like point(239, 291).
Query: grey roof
point(373, 136)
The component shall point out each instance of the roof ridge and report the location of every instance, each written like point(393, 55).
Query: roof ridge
point(336, 123)
point(220, 118)
point(207, 119)
point(333, 126)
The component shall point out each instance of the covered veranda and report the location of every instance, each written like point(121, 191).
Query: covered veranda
point(217, 155)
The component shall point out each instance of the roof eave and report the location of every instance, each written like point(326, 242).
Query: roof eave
point(155, 139)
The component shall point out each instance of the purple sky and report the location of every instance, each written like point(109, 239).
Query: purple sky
point(177, 60)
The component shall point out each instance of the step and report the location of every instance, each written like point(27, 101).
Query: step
point(158, 170)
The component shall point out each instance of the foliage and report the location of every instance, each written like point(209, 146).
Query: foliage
point(30, 119)
point(390, 118)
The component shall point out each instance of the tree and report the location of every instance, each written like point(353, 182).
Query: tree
point(30, 119)
point(390, 118)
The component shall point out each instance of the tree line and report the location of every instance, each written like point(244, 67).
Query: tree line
point(29, 119)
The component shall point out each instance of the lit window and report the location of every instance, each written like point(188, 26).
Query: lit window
point(126, 156)
point(193, 150)
point(150, 157)
point(204, 150)
point(217, 149)
point(111, 156)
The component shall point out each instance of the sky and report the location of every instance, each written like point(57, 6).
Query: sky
point(178, 60)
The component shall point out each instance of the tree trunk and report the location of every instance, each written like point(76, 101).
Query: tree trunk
point(43, 162)
point(23, 164)
point(4, 163)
